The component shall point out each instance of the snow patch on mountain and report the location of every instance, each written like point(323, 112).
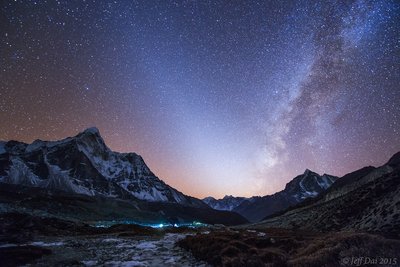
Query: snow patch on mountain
point(20, 173)
point(304, 192)
point(327, 181)
point(37, 144)
point(60, 179)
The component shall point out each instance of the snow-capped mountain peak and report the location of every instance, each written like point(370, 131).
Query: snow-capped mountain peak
point(84, 164)
point(228, 202)
point(92, 130)
point(308, 184)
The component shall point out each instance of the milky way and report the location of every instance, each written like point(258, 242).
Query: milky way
point(219, 97)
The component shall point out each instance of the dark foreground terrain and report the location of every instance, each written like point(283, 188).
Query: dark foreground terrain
point(39, 241)
point(283, 247)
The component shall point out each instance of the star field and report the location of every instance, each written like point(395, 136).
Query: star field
point(219, 97)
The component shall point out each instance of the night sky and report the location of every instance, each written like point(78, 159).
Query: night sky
point(219, 97)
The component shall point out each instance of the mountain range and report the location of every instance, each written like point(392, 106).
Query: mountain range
point(83, 166)
point(225, 203)
point(59, 190)
point(307, 185)
point(367, 199)
point(80, 178)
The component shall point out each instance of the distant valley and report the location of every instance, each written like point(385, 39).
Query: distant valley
point(304, 186)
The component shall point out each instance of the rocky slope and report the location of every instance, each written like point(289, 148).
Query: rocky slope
point(274, 247)
point(367, 200)
point(304, 186)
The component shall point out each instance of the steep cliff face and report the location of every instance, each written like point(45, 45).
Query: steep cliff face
point(85, 165)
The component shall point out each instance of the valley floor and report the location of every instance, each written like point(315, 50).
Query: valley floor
point(42, 241)
point(110, 250)
point(27, 240)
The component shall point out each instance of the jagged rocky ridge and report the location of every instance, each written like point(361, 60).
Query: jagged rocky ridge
point(367, 200)
point(307, 185)
point(85, 165)
point(226, 203)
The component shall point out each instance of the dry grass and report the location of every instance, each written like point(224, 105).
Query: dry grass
point(286, 248)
